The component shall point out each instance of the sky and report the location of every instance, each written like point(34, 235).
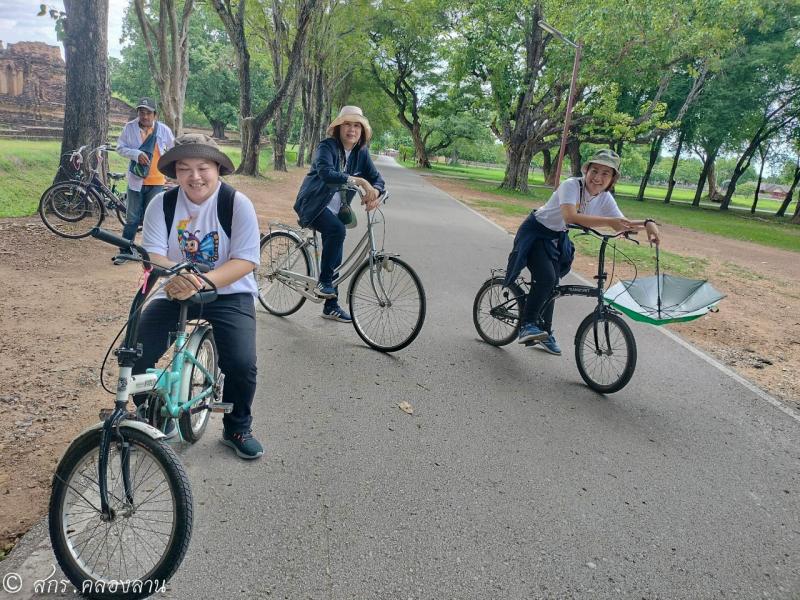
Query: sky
point(19, 23)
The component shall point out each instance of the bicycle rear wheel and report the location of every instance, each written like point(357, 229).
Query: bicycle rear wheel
point(605, 352)
point(281, 251)
point(497, 310)
point(193, 425)
point(71, 210)
point(387, 304)
point(144, 541)
point(120, 209)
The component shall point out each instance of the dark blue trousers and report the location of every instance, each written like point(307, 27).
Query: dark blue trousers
point(333, 233)
point(136, 205)
point(233, 317)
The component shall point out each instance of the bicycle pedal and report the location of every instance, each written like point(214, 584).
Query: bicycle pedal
point(221, 407)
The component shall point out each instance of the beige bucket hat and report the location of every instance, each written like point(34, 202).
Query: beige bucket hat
point(351, 114)
point(194, 145)
point(607, 158)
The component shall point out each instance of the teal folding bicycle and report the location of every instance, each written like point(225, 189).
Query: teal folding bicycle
point(120, 514)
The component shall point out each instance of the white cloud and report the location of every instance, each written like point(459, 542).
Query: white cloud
point(19, 23)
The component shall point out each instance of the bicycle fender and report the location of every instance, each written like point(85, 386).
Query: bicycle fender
point(145, 428)
point(288, 232)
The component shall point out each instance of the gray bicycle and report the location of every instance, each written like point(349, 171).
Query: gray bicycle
point(385, 297)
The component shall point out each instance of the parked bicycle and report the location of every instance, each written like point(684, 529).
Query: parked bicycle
point(71, 208)
point(605, 349)
point(386, 298)
point(120, 514)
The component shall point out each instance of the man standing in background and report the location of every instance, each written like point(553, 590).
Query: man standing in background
point(143, 140)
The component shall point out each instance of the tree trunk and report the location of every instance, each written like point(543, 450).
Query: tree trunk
point(710, 158)
point(713, 192)
point(86, 58)
point(167, 43)
point(741, 166)
point(796, 218)
point(788, 199)
point(547, 167)
point(675, 160)
point(655, 152)
point(763, 153)
point(251, 140)
point(517, 168)
point(283, 125)
point(420, 154)
point(574, 152)
point(218, 129)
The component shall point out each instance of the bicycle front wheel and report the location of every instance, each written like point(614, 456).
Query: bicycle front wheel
point(192, 425)
point(387, 304)
point(497, 310)
point(135, 551)
point(605, 352)
point(71, 210)
point(281, 252)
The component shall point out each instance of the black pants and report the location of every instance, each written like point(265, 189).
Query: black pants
point(233, 317)
point(538, 309)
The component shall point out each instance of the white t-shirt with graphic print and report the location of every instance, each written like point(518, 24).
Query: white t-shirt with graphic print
point(197, 235)
point(601, 205)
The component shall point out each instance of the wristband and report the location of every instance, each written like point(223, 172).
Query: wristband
point(351, 180)
point(653, 221)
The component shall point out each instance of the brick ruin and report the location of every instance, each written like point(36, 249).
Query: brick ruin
point(32, 81)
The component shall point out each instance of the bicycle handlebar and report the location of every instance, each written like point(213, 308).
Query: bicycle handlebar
point(607, 236)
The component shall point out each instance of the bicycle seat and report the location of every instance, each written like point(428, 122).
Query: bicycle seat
point(116, 176)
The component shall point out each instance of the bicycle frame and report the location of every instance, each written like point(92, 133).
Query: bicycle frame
point(365, 248)
point(164, 382)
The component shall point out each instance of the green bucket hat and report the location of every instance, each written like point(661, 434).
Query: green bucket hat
point(607, 158)
point(194, 145)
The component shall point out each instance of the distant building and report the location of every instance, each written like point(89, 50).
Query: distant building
point(32, 82)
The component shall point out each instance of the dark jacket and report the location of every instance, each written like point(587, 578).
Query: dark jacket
point(327, 175)
point(561, 253)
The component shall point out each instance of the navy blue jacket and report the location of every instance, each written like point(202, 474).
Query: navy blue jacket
point(561, 253)
point(328, 174)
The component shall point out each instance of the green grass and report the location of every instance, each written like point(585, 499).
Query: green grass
point(653, 192)
point(27, 168)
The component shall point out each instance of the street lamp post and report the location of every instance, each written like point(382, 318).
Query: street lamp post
point(570, 99)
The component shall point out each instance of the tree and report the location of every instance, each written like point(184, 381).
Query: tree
point(85, 37)
point(167, 41)
point(213, 86)
point(404, 38)
point(250, 124)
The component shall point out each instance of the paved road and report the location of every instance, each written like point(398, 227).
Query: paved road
point(510, 480)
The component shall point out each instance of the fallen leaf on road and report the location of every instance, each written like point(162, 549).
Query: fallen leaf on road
point(406, 407)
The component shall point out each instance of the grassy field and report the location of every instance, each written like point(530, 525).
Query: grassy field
point(761, 229)
point(27, 169)
point(622, 189)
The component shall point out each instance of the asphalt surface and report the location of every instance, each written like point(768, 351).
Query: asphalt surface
point(510, 480)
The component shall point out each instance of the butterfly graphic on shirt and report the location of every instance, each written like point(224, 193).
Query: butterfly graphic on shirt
point(203, 250)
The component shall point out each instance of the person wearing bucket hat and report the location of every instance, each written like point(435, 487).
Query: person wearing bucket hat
point(142, 141)
point(543, 246)
point(208, 222)
point(341, 159)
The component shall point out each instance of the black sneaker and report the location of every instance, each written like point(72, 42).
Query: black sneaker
point(245, 445)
